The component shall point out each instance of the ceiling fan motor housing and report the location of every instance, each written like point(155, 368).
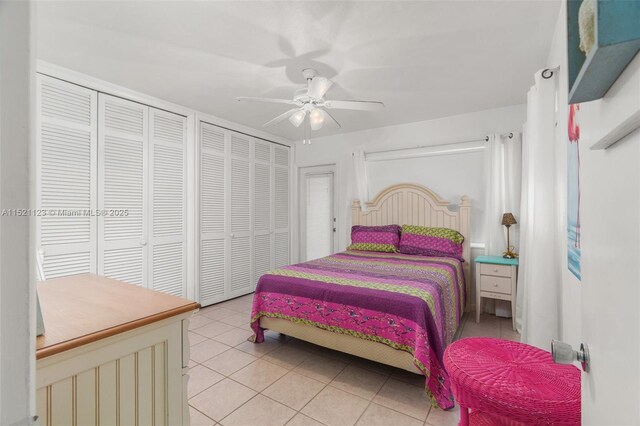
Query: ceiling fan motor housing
point(309, 73)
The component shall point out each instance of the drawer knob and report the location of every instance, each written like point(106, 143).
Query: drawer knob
point(495, 284)
point(495, 269)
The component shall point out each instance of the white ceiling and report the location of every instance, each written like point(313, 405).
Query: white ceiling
point(423, 59)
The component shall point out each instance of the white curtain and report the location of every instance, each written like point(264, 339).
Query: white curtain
point(539, 276)
point(360, 168)
point(503, 174)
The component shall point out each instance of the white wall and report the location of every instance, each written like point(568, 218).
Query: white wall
point(17, 352)
point(570, 307)
point(449, 175)
point(610, 239)
point(450, 183)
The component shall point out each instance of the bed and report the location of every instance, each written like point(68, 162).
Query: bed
point(397, 309)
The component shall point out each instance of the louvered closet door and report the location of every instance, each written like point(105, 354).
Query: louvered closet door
point(167, 256)
point(281, 206)
point(214, 238)
point(122, 177)
point(262, 207)
point(241, 277)
point(66, 176)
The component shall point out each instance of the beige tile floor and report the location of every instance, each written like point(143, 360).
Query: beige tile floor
point(288, 381)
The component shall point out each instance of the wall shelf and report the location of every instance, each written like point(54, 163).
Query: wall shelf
point(622, 130)
point(617, 41)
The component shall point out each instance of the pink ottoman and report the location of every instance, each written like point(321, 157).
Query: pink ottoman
point(511, 384)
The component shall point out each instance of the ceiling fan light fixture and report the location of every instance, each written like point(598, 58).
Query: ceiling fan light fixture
point(310, 100)
point(316, 119)
point(297, 118)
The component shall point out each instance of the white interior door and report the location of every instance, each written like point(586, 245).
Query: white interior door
point(281, 185)
point(241, 279)
point(214, 238)
point(262, 209)
point(66, 176)
point(610, 247)
point(317, 212)
point(123, 186)
point(167, 242)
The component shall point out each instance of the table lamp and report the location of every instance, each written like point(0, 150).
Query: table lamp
point(508, 220)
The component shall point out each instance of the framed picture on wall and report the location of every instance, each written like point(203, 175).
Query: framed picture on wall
point(573, 193)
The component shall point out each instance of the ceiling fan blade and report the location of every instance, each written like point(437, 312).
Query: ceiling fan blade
point(357, 105)
point(281, 117)
point(318, 86)
point(273, 100)
point(331, 118)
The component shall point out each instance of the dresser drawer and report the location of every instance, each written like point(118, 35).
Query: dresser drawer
point(496, 270)
point(495, 284)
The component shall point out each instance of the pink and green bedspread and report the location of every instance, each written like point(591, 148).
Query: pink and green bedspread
point(410, 303)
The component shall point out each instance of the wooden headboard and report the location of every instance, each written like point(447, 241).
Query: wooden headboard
point(409, 204)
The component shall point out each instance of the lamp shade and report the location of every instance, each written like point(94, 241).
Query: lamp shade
point(316, 119)
point(297, 117)
point(508, 219)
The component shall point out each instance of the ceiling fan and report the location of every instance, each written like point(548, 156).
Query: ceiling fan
point(310, 102)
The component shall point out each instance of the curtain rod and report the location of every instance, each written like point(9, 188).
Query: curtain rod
point(485, 139)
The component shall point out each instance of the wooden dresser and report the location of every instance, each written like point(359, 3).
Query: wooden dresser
point(112, 353)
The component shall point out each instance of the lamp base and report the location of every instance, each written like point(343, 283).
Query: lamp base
point(510, 255)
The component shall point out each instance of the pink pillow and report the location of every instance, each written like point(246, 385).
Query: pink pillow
point(375, 238)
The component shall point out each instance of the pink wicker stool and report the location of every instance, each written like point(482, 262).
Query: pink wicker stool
point(509, 383)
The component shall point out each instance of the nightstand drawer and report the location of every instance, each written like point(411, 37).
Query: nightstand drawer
point(495, 284)
point(496, 270)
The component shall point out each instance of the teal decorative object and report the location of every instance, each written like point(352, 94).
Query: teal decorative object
point(616, 40)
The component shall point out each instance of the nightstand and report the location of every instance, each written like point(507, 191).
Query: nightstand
point(496, 279)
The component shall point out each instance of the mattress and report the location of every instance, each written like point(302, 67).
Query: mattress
point(410, 304)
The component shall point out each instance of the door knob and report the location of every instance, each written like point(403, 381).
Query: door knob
point(143, 243)
point(563, 353)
